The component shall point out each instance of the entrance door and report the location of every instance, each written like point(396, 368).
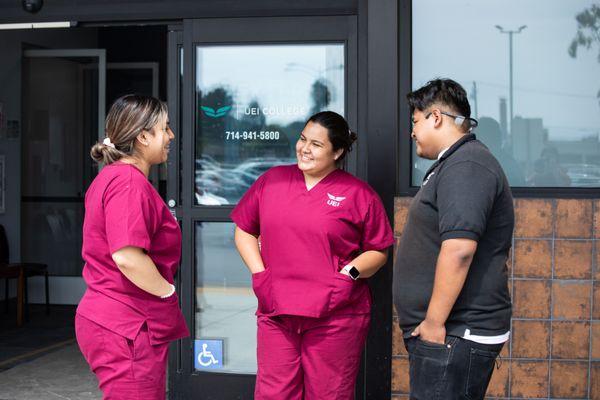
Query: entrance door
point(63, 114)
point(245, 87)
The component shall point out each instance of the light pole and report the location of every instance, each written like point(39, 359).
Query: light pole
point(474, 97)
point(510, 52)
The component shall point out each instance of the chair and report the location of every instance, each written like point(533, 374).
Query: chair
point(20, 271)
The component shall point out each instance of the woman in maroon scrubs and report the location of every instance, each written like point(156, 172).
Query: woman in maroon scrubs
point(322, 231)
point(131, 248)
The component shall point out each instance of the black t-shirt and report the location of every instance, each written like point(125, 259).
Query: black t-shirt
point(465, 194)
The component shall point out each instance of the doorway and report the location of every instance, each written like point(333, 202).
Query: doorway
point(244, 94)
point(65, 94)
point(56, 85)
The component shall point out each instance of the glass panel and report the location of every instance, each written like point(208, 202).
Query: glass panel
point(52, 235)
point(56, 167)
point(251, 104)
point(544, 124)
point(57, 135)
point(225, 302)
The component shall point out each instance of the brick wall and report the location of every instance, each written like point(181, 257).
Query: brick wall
point(554, 270)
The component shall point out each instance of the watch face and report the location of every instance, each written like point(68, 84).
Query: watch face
point(354, 273)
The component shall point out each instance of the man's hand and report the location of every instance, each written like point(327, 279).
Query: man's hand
point(430, 332)
point(451, 272)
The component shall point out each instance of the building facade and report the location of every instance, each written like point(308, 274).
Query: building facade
point(240, 79)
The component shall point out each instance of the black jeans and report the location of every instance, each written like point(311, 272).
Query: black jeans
point(460, 369)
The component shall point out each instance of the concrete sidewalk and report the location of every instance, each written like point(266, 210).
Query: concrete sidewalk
point(62, 374)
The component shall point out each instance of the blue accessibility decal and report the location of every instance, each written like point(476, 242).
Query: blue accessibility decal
point(208, 354)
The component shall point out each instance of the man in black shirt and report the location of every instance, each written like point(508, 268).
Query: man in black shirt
point(450, 276)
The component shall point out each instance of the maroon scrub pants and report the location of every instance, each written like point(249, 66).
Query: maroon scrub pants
point(126, 369)
point(302, 358)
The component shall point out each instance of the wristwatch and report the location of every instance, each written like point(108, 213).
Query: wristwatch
point(352, 271)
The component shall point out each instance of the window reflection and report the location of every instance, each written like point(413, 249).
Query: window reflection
point(225, 302)
point(251, 104)
point(549, 135)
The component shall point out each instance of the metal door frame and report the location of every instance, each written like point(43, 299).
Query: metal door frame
point(184, 381)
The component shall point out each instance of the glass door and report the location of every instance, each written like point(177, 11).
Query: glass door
point(246, 87)
point(63, 114)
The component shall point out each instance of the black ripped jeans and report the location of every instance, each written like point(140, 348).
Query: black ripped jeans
point(457, 370)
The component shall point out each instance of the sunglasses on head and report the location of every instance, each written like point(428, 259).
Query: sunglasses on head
point(459, 120)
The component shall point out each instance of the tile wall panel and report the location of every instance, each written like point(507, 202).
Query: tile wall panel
point(554, 350)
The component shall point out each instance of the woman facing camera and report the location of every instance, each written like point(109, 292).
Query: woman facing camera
point(321, 232)
point(131, 248)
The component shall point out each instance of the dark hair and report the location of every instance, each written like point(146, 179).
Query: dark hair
point(127, 117)
point(338, 131)
point(443, 92)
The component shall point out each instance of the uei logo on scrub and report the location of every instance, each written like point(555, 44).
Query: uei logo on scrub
point(215, 113)
point(335, 201)
point(428, 177)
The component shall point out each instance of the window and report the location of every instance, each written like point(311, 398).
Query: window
point(532, 81)
point(225, 303)
point(251, 104)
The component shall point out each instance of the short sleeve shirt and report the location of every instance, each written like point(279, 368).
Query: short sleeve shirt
point(465, 195)
point(123, 209)
point(307, 236)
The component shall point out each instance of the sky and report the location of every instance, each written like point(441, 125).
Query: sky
point(458, 39)
point(278, 76)
point(451, 38)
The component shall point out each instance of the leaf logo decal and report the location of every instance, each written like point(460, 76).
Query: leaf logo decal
point(212, 113)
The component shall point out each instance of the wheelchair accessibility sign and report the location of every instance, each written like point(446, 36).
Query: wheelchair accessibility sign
point(208, 354)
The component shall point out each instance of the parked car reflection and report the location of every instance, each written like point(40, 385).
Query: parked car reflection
point(208, 199)
point(220, 183)
point(583, 175)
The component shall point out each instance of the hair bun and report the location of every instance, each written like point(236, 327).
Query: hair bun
point(105, 154)
point(353, 137)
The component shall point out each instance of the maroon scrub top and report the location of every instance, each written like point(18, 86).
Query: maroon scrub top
point(307, 236)
point(123, 209)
